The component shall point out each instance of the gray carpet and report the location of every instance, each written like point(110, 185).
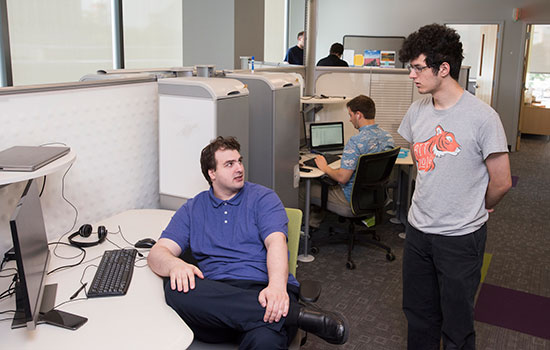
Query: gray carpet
point(519, 239)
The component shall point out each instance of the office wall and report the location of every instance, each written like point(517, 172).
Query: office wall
point(114, 132)
point(398, 18)
point(249, 30)
point(209, 33)
point(274, 29)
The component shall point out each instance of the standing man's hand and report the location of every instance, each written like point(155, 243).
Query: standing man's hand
point(276, 303)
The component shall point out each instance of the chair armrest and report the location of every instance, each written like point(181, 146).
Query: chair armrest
point(326, 182)
point(310, 291)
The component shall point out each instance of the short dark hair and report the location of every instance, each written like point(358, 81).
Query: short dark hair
point(438, 43)
point(337, 49)
point(363, 104)
point(208, 153)
point(300, 34)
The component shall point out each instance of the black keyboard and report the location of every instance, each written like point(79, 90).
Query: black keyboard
point(114, 273)
point(329, 157)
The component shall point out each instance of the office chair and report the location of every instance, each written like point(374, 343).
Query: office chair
point(368, 197)
point(309, 290)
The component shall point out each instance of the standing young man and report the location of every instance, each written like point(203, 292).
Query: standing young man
point(460, 150)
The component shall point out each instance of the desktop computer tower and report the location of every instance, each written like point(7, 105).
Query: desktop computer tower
point(192, 112)
point(274, 148)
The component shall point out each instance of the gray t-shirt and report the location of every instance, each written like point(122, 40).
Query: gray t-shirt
point(450, 147)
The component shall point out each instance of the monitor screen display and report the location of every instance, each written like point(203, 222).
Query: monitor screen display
point(30, 243)
point(327, 135)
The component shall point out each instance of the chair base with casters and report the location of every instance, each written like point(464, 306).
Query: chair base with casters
point(368, 197)
point(353, 236)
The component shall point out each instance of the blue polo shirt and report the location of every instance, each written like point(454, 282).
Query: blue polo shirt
point(370, 139)
point(227, 237)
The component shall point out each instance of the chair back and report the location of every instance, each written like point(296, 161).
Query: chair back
point(294, 223)
point(371, 175)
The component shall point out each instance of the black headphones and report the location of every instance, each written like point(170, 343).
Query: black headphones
point(85, 231)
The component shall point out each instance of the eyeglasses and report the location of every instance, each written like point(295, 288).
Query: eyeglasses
point(416, 68)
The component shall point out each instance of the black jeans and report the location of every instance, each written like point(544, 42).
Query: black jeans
point(441, 275)
point(229, 311)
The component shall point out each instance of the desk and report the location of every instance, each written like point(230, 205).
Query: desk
point(139, 320)
point(404, 188)
point(314, 173)
point(401, 210)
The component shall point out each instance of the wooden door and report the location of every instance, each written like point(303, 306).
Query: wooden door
point(487, 59)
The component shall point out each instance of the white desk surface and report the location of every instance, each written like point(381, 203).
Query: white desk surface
point(139, 320)
point(9, 177)
point(315, 172)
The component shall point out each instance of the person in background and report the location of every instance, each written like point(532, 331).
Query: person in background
point(370, 139)
point(460, 150)
point(295, 55)
point(335, 57)
point(240, 290)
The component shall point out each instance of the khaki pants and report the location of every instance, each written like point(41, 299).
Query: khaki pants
point(316, 215)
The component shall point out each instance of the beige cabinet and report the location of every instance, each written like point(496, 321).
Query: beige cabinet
point(535, 120)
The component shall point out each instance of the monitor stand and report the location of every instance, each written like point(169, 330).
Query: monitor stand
point(48, 302)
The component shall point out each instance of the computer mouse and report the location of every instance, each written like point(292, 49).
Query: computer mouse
point(145, 243)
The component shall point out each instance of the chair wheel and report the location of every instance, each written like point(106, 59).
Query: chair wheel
point(350, 265)
point(390, 256)
point(314, 250)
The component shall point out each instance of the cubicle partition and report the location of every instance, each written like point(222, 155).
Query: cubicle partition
point(390, 88)
point(113, 128)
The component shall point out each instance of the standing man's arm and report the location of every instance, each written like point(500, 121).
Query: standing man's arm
point(274, 298)
point(500, 179)
point(164, 260)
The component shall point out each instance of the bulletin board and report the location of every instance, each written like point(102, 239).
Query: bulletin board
point(360, 43)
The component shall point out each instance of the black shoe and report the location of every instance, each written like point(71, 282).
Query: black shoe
point(329, 326)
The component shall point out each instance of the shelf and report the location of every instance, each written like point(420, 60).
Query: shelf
point(9, 177)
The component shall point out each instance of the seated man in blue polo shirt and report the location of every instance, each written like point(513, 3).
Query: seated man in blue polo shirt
point(241, 290)
point(370, 139)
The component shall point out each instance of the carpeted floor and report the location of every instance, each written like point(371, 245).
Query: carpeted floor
point(518, 239)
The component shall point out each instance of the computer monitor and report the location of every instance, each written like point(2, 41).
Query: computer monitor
point(326, 136)
point(32, 257)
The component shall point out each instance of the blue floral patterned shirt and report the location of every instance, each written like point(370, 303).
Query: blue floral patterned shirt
point(371, 139)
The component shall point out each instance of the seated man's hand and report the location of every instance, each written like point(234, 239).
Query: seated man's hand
point(275, 301)
point(182, 276)
point(321, 162)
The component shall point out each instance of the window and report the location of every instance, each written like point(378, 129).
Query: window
point(58, 41)
point(153, 35)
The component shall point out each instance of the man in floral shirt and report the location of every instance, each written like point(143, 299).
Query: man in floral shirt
point(371, 139)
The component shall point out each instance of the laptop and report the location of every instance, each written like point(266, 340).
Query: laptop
point(29, 158)
point(327, 137)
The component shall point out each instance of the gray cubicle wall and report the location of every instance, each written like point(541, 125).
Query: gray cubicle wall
point(112, 126)
point(360, 43)
point(274, 132)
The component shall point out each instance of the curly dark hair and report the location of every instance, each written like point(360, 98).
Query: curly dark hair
point(438, 43)
point(363, 104)
point(208, 158)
